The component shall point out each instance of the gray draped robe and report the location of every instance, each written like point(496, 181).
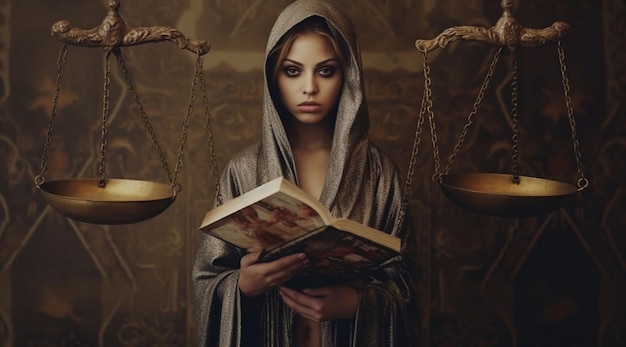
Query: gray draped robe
point(361, 183)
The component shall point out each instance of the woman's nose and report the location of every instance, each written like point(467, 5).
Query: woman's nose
point(310, 85)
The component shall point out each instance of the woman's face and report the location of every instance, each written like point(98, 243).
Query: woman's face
point(310, 78)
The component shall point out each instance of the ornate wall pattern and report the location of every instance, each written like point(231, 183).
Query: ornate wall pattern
point(486, 281)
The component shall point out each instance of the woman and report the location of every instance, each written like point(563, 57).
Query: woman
point(314, 133)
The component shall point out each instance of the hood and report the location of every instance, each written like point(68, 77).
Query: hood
point(352, 121)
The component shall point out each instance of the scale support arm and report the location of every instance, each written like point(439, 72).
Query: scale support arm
point(114, 32)
point(506, 32)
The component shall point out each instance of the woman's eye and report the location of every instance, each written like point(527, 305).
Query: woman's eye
point(327, 71)
point(291, 71)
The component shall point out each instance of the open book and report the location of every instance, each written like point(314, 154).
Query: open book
point(280, 219)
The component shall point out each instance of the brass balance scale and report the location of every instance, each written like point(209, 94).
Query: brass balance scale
point(498, 194)
point(105, 200)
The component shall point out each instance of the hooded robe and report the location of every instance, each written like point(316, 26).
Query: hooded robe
point(361, 183)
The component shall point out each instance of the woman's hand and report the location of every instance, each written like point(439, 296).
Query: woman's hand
point(324, 303)
point(257, 277)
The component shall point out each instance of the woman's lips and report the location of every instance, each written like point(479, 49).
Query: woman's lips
point(309, 107)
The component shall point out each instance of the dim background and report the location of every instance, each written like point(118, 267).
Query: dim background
point(551, 280)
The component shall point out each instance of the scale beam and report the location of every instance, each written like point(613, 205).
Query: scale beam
point(506, 32)
point(114, 32)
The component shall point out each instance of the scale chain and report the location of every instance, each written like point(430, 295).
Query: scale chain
point(515, 118)
point(409, 177)
point(61, 60)
point(192, 99)
point(105, 118)
point(144, 115)
point(209, 133)
point(431, 119)
point(470, 117)
point(582, 181)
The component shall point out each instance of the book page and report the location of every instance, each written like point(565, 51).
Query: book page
point(268, 223)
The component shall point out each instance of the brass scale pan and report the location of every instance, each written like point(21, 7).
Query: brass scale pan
point(112, 200)
point(119, 201)
point(498, 195)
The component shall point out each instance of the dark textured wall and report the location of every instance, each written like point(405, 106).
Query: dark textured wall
point(553, 280)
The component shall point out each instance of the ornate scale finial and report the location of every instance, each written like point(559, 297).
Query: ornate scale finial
point(507, 32)
point(114, 32)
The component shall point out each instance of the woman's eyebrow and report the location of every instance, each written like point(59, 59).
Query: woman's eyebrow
point(331, 60)
point(287, 60)
point(318, 64)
